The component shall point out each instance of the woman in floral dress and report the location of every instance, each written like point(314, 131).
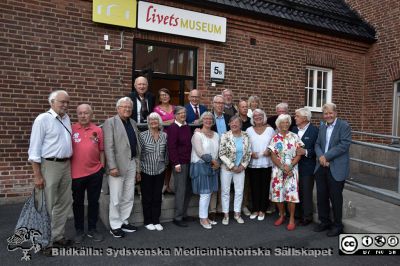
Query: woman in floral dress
point(285, 175)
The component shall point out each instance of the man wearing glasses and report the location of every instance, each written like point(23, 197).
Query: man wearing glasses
point(123, 164)
point(49, 152)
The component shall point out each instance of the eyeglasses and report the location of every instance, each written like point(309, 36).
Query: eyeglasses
point(62, 102)
point(125, 107)
point(219, 102)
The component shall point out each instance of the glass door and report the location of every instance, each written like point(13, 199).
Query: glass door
point(166, 66)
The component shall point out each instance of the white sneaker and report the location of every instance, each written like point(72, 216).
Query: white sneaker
point(246, 211)
point(238, 219)
point(150, 227)
point(212, 222)
point(261, 218)
point(225, 221)
point(206, 226)
point(253, 216)
point(159, 227)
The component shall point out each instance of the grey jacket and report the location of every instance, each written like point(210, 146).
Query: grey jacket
point(338, 150)
point(116, 145)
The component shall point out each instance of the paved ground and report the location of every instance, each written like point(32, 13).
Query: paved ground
point(252, 234)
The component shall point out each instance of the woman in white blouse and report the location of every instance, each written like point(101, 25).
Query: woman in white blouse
point(204, 166)
point(260, 166)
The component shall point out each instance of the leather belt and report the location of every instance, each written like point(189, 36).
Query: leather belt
point(57, 159)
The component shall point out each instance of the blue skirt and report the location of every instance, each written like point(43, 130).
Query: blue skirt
point(204, 178)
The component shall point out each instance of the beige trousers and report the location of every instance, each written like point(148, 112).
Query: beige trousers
point(58, 193)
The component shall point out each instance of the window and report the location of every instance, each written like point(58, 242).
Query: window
point(318, 88)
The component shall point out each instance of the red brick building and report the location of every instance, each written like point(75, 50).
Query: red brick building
point(300, 51)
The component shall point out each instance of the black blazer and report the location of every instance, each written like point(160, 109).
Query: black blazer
point(307, 164)
point(226, 118)
point(150, 103)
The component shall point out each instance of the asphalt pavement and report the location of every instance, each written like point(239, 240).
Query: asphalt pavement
point(252, 243)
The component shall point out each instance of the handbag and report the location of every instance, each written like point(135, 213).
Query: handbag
point(36, 221)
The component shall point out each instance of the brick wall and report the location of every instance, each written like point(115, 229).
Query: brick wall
point(383, 63)
point(54, 44)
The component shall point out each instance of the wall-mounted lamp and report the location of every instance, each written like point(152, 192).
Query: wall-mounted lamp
point(108, 47)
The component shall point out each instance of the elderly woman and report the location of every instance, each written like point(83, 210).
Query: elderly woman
point(285, 175)
point(204, 166)
point(154, 159)
point(260, 166)
point(165, 109)
point(235, 154)
point(253, 103)
point(179, 150)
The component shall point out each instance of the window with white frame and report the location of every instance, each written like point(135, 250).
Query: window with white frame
point(318, 89)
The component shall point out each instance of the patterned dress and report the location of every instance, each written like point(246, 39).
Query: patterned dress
point(283, 187)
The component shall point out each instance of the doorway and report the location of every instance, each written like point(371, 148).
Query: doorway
point(166, 66)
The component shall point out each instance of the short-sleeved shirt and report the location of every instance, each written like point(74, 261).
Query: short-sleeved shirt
point(87, 144)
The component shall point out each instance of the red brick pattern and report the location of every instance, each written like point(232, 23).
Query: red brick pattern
point(54, 44)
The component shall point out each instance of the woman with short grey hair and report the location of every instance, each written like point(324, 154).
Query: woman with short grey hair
point(285, 175)
point(259, 170)
point(153, 161)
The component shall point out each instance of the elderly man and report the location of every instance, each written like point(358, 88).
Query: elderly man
point(332, 150)
point(87, 172)
point(194, 109)
point(221, 119)
point(308, 134)
point(122, 152)
point(221, 126)
point(229, 108)
point(142, 99)
point(50, 150)
point(281, 108)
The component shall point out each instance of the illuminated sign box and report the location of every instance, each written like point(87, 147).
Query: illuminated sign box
point(182, 22)
point(115, 12)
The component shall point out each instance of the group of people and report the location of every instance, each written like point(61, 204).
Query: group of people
point(269, 161)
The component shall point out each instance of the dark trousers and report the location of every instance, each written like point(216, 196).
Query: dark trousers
point(183, 191)
point(304, 209)
point(329, 191)
point(259, 184)
point(151, 187)
point(92, 184)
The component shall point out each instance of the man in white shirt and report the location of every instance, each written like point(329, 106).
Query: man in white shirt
point(50, 150)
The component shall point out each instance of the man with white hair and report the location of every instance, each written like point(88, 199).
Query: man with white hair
point(308, 134)
point(333, 167)
point(142, 99)
point(49, 152)
point(281, 108)
point(122, 152)
point(87, 166)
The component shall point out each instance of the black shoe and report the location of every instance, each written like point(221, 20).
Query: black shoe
point(117, 233)
point(95, 235)
point(180, 223)
point(189, 219)
point(79, 236)
point(321, 227)
point(63, 243)
point(304, 222)
point(128, 228)
point(334, 232)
